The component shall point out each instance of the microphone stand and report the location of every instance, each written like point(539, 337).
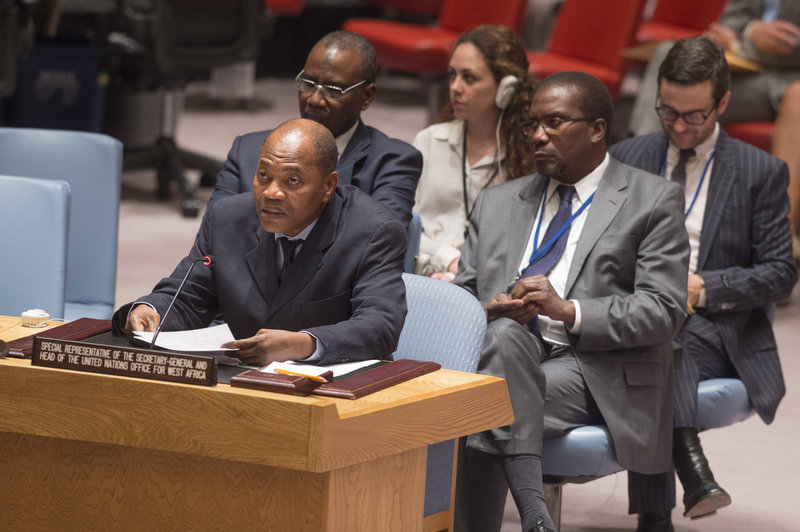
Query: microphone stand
point(206, 262)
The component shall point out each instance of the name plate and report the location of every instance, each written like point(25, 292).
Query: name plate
point(125, 361)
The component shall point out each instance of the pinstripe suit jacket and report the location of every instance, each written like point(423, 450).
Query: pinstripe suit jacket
point(745, 255)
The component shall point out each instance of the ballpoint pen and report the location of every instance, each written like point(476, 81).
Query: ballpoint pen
point(298, 374)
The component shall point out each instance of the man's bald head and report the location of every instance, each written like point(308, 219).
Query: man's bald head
point(296, 176)
point(300, 130)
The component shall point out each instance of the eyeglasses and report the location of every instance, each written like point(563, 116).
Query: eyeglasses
point(697, 117)
point(549, 124)
point(332, 92)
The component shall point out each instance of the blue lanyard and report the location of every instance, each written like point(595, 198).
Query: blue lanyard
point(538, 252)
point(699, 185)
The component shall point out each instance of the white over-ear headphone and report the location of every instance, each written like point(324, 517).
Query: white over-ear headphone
point(505, 91)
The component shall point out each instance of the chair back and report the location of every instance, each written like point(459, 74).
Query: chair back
point(34, 215)
point(92, 164)
point(596, 31)
point(200, 34)
point(462, 15)
point(689, 14)
point(444, 324)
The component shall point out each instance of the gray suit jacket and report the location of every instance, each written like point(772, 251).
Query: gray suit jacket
point(745, 254)
point(629, 277)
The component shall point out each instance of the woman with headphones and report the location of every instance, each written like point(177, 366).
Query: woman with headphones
point(477, 143)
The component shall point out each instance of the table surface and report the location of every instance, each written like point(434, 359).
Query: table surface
point(11, 328)
point(316, 433)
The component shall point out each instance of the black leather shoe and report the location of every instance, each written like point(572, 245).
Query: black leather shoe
point(655, 522)
point(702, 496)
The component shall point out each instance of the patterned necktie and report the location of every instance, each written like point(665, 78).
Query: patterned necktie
point(288, 247)
point(545, 263)
point(679, 172)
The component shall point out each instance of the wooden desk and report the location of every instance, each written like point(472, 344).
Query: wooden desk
point(11, 328)
point(82, 451)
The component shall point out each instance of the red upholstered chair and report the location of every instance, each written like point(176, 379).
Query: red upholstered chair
point(288, 8)
point(676, 19)
point(419, 49)
point(427, 8)
point(759, 134)
point(589, 37)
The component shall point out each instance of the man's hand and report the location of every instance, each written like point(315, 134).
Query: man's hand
point(538, 293)
point(778, 37)
point(722, 35)
point(142, 318)
point(502, 306)
point(270, 345)
point(695, 286)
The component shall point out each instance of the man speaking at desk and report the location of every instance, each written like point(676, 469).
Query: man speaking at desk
point(313, 272)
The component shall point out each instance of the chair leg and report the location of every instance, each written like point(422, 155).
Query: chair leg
point(552, 497)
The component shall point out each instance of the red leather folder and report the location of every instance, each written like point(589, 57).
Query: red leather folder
point(74, 330)
point(273, 382)
point(376, 378)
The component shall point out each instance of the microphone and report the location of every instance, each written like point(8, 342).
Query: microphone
point(206, 262)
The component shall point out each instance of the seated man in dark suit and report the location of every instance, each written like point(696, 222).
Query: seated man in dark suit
point(581, 268)
point(311, 271)
point(741, 263)
point(336, 84)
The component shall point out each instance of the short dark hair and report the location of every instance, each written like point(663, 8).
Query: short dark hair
point(593, 97)
point(694, 60)
point(347, 40)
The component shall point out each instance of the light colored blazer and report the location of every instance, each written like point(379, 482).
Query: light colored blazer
point(629, 276)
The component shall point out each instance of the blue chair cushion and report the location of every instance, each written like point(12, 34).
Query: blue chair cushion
point(589, 451)
point(722, 402)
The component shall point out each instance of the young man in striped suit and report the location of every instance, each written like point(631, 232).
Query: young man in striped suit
point(741, 263)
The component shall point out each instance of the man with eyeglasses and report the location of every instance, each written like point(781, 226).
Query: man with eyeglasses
point(580, 268)
point(741, 263)
point(336, 84)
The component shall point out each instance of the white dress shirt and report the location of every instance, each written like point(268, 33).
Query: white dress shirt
point(555, 331)
point(695, 168)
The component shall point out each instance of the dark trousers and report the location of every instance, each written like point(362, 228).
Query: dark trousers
point(704, 357)
point(549, 398)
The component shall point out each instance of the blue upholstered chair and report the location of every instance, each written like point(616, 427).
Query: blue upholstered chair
point(444, 324)
point(33, 245)
point(92, 164)
point(413, 237)
point(587, 453)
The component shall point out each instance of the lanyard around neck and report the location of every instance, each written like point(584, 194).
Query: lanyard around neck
point(699, 185)
point(537, 251)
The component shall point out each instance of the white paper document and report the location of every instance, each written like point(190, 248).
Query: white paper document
point(196, 340)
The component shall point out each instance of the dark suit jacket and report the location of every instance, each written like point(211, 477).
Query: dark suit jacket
point(385, 168)
point(628, 275)
point(345, 285)
point(745, 255)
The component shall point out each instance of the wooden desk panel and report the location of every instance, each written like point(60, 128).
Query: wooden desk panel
point(106, 452)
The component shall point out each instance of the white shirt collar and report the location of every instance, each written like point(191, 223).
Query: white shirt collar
point(587, 185)
point(702, 150)
point(344, 139)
